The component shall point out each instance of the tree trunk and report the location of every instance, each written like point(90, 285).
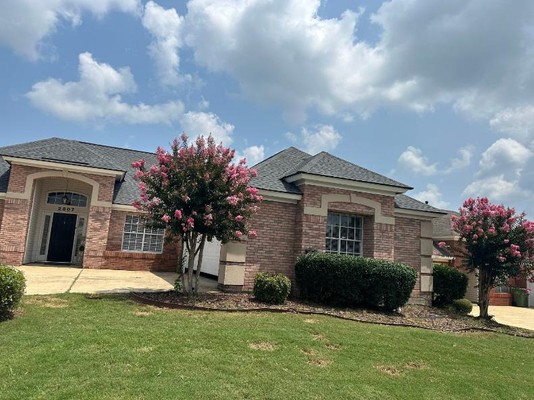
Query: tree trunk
point(191, 262)
point(484, 287)
point(180, 265)
point(199, 263)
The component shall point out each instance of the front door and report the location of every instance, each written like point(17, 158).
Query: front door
point(62, 237)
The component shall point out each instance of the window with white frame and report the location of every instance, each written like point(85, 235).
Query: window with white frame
point(344, 233)
point(138, 237)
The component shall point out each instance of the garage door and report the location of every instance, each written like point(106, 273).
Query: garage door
point(210, 260)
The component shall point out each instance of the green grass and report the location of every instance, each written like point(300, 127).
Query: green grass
point(75, 347)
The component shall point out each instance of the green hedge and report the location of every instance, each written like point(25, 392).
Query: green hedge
point(12, 285)
point(449, 285)
point(271, 288)
point(354, 281)
point(462, 306)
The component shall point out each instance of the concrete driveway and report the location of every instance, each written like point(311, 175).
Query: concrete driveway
point(46, 279)
point(520, 317)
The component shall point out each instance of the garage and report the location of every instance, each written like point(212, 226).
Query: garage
point(210, 260)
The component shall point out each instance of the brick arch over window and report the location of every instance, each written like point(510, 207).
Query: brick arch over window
point(349, 198)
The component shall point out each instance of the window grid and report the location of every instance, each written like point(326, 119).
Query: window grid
point(138, 237)
point(75, 199)
point(344, 234)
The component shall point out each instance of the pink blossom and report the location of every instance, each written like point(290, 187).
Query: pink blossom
point(138, 164)
point(252, 234)
point(233, 200)
point(156, 201)
point(506, 241)
point(178, 214)
point(166, 218)
point(239, 218)
point(501, 259)
point(190, 223)
point(442, 245)
point(238, 234)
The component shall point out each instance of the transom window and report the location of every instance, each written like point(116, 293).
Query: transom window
point(344, 234)
point(67, 198)
point(138, 237)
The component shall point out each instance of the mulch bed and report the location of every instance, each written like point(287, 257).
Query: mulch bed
point(409, 316)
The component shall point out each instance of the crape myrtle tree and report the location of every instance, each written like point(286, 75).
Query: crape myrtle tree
point(499, 244)
point(196, 193)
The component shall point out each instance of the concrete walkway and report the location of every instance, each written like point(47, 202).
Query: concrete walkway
point(519, 317)
point(46, 279)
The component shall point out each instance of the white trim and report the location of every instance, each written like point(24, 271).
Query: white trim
point(3, 196)
point(415, 214)
point(125, 207)
point(442, 258)
point(349, 198)
point(366, 187)
point(443, 238)
point(280, 197)
point(64, 167)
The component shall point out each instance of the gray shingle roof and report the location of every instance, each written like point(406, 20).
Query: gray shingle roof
point(272, 171)
point(442, 226)
point(325, 164)
point(73, 152)
point(405, 202)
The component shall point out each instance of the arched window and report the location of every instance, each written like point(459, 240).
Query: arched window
point(67, 198)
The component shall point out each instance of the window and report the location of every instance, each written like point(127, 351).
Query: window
point(138, 237)
point(344, 234)
point(68, 198)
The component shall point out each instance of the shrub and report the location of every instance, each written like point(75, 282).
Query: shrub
point(462, 306)
point(449, 285)
point(354, 281)
point(271, 288)
point(12, 285)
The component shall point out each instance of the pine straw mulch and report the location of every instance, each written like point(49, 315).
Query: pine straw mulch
point(415, 316)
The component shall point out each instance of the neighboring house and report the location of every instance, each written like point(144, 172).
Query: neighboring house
point(454, 256)
point(65, 201)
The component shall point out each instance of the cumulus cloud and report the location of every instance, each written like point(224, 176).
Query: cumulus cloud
point(195, 123)
point(432, 195)
point(98, 96)
point(318, 138)
point(504, 155)
point(497, 188)
point(41, 19)
point(413, 159)
point(518, 122)
point(253, 154)
point(470, 54)
point(165, 27)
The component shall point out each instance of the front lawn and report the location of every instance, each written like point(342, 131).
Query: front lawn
point(83, 347)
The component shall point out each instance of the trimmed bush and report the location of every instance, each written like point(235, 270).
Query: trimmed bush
point(449, 285)
point(462, 306)
point(271, 288)
point(354, 281)
point(12, 285)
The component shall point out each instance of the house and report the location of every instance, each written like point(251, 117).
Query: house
point(454, 256)
point(65, 201)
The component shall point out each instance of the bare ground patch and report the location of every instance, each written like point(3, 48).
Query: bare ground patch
point(47, 302)
point(319, 362)
point(390, 370)
point(264, 346)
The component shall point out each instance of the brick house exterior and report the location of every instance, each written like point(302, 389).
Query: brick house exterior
point(70, 202)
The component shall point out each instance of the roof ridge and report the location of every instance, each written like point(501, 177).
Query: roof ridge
point(278, 153)
point(113, 147)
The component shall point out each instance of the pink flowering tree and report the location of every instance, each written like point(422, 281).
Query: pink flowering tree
point(197, 194)
point(499, 244)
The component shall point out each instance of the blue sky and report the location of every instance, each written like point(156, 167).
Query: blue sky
point(438, 95)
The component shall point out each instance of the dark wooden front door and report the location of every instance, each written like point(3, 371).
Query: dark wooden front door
point(62, 237)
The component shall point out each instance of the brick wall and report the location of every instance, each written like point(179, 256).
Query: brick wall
point(13, 231)
point(408, 245)
point(273, 250)
point(2, 203)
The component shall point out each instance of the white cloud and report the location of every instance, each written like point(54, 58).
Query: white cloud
point(497, 188)
point(165, 26)
point(98, 96)
point(518, 122)
point(413, 159)
point(432, 195)
point(505, 155)
point(204, 123)
point(25, 23)
point(470, 54)
point(319, 138)
point(253, 155)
